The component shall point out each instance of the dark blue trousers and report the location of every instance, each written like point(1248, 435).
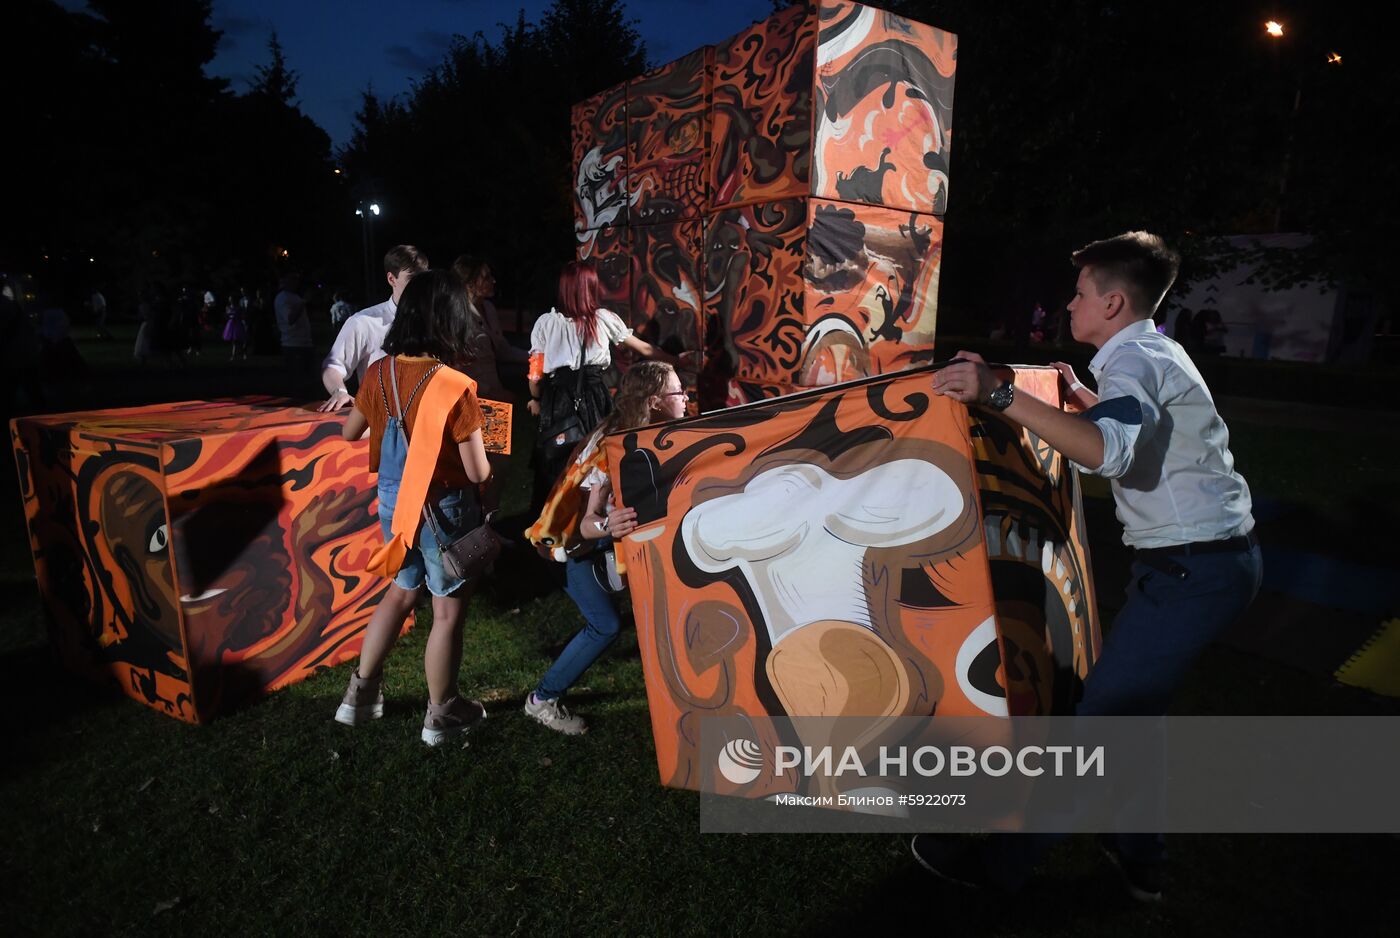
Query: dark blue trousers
point(1165, 624)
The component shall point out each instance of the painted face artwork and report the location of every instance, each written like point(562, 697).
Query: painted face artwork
point(599, 144)
point(826, 555)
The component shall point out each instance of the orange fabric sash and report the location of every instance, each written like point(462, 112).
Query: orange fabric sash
point(444, 389)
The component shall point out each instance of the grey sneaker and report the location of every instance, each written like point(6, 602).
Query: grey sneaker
point(450, 719)
point(554, 715)
point(364, 700)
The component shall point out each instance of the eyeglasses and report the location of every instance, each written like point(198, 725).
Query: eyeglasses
point(672, 394)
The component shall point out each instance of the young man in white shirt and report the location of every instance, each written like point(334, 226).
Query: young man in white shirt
point(1153, 430)
point(360, 341)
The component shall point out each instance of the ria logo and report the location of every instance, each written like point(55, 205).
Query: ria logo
point(740, 761)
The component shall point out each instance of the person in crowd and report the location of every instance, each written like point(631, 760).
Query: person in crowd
point(570, 349)
point(19, 352)
point(1153, 430)
point(340, 308)
point(182, 334)
point(480, 284)
point(1212, 332)
point(294, 329)
point(59, 355)
point(360, 341)
point(650, 391)
point(432, 330)
point(97, 302)
point(236, 330)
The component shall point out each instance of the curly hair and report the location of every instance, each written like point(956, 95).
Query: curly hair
point(632, 405)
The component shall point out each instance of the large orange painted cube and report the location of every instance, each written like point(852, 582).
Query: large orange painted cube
point(198, 555)
point(870, 550)
point(808, 157)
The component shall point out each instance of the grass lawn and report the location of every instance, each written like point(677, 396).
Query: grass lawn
point(276, 820)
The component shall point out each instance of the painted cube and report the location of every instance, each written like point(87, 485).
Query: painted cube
point(198, 555)
point(761, 111)
point(599, 138)
point(668, 141)
point(884, 109)
point(869, 550)
point(825, 145)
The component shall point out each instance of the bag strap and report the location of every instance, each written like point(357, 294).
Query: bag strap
point(578, 375)
point(394, 380)
point(445, 386)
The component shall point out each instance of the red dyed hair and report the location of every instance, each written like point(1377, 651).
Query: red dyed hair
point(578, 298)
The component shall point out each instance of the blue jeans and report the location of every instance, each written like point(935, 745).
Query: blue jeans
point(456, 512)
point(1161, 630)
point(600, 632)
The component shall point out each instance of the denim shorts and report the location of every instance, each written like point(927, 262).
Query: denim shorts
point(456, 512)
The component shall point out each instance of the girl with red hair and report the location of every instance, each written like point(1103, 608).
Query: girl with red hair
point(570, 349)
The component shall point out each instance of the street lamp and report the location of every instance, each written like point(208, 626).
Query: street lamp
point(366, 210)
point(1275, 31)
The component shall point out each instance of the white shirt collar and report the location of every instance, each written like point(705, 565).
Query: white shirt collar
point(1141, 327)
point(385, 311)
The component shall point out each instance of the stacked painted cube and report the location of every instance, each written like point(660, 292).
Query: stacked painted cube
point(776, 200)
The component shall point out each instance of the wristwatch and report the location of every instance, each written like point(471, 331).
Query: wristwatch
point(1001, 397)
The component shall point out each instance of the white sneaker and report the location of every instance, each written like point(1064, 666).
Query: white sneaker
point(451, 719)
point(554, 715)
point(364, 700)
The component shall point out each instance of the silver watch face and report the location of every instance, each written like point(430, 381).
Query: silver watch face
point(1001, 397)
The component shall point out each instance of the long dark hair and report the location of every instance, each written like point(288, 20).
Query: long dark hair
point(434, 318)
point(469, 269)
point(578, 298)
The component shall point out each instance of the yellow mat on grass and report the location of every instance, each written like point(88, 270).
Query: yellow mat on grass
point(1376, 664)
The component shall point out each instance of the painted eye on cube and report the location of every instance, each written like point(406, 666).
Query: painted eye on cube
point(158, 540)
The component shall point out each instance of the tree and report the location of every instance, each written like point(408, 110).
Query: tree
point(486, 134)
point(275, 80)
point(1080, 119)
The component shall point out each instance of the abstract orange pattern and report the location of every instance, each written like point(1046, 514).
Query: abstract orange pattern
point(871, 291)
point(610, 249)
point(818, 555)
point(1033, 526)
point(668, 141)
point(884, 109)
point(203, 553)
point(668, 303)
point(754, 294)
point(761, 115)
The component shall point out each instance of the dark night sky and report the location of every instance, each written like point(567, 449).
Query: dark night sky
point(339, 48)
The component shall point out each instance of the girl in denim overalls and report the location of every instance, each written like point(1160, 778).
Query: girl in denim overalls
point(432, 326)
